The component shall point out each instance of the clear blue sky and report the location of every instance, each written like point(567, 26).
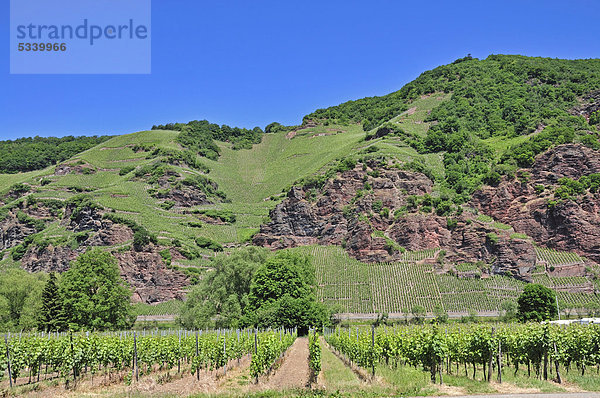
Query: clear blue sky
point(247, 63)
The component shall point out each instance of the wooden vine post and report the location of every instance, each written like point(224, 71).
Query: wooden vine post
point(8, 360)
point(197, 365)
point(135, 357)
point(372, 349)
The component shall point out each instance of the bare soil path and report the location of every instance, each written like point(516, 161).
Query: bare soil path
point(293, 372)
point(536, 395)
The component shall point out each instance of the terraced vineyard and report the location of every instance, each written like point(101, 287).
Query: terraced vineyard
point(171, 307)
point(556, 258)
point(397, 287)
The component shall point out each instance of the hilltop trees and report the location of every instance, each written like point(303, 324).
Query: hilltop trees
point(199, 136)
point(27, 154)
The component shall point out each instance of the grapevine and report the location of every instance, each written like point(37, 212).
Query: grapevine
point(314, 355)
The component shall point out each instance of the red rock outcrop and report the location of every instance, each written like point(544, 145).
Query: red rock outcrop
point(569, 224)
point(347, 212)
point(151, 280)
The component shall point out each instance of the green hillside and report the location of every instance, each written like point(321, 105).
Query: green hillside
point(464, 125)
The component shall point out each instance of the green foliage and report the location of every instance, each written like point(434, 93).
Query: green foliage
point(95, 296)
point(523, 154)
point(441, 315)
point(222, 295)
point(178, 157)
point(595, 118)
point(199, 136)
point(126, 170)
point(371, 111)
point(223, 215)
point(377, 206)
point(418, 312)
point(537, 303)
point(166, 256)
point(451, 223)
point(271, 346)
point(571, 189)
point(314, 355)
point(207, 243)
point(205, 184)
point(52, 316)
point(492, 238)
point(19, 189)
point(34, 223)
point(20, 299)
point(167, 204)
point(518, 236)
point(509, 310)
point(282, 294)
point(27, 154)
point(80, 202)
point(154, 171)
point(590, 141)
point(277, 128)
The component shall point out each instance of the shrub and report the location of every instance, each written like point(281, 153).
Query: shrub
point(207, 243)
point(126, 170)
point(492, 238)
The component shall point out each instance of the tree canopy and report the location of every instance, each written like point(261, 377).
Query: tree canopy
point(537, 303)
point(20, 299)
point(221, 297)
point(27, 154)
point(95, 297)
point(51, 317)
point(282, 294)
point(199, 136)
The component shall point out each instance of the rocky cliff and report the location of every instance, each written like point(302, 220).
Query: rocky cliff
point(145, 271)
point(367, 210)
point(529, 204)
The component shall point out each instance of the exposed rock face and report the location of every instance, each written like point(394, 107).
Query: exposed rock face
point(152, 281)
point(591, 104)
point(110, 234)
point(569, 160)
point(296, 221)
point(68, 168)
point(183, 195)
point(145, 271)
point(186, 196)
point(87, 218)
point(338, 216)
point(570, 225)
point(48, 259)
point(12, 232)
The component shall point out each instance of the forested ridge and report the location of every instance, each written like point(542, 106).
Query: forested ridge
point(35, 153)
point(495, 100)
point(200, 136)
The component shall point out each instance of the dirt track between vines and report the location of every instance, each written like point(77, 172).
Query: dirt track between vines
point(294, 371)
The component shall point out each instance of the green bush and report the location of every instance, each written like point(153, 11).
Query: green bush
point(126, 170)
point(492, 238)
point(207, 243)
point(223, 215)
